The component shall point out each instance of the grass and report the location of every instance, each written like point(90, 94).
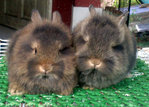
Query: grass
point(143, 44)
point(124, 3)
point(130, 92)
point(143, 40)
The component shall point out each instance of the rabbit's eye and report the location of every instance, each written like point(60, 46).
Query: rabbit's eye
point(81, 41)
point(35, 51)
point(83, 57)
point(118, 48)
point(64, 50)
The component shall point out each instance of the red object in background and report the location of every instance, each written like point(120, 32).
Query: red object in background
point(86, 3)
point(65, 9)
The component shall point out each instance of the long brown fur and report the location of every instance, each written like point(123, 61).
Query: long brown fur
point(105, 49)
point(40, 58)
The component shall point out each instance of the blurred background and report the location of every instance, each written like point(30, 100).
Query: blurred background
point(15, 14)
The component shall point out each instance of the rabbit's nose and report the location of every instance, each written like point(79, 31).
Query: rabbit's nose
point(41, 69)
point(45, 69)
point(95, 63)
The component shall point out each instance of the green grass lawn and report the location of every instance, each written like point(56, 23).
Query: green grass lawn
point(124, 3)
point(143, 40)
point(143, 44)
point(130, 92)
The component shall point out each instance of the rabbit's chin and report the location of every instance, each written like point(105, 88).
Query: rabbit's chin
point(46, 77)
point(89, 71)
point(106, 70)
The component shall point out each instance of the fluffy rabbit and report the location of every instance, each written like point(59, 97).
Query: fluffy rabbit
point(40, 58)
point(105, 49)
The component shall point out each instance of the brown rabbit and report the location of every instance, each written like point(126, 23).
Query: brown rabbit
point(105, 49)
point(40, 58)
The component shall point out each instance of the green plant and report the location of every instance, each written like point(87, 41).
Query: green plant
point(124, 3)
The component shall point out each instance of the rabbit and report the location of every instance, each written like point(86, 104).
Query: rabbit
point(105, 49)
point(41, 59)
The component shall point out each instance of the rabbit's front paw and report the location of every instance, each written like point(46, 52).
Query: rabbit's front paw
point(15, 91)
point(87, 87)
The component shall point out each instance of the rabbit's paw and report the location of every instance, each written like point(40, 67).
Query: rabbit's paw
point(15, 91)
point(87, 87)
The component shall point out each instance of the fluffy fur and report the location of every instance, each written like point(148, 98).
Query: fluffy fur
point(40, 58)
point(105, 49)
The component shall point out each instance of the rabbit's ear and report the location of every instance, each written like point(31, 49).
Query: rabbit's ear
point(123, 18)
point(92, 9)
point(56, 17)
point(35, 16)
